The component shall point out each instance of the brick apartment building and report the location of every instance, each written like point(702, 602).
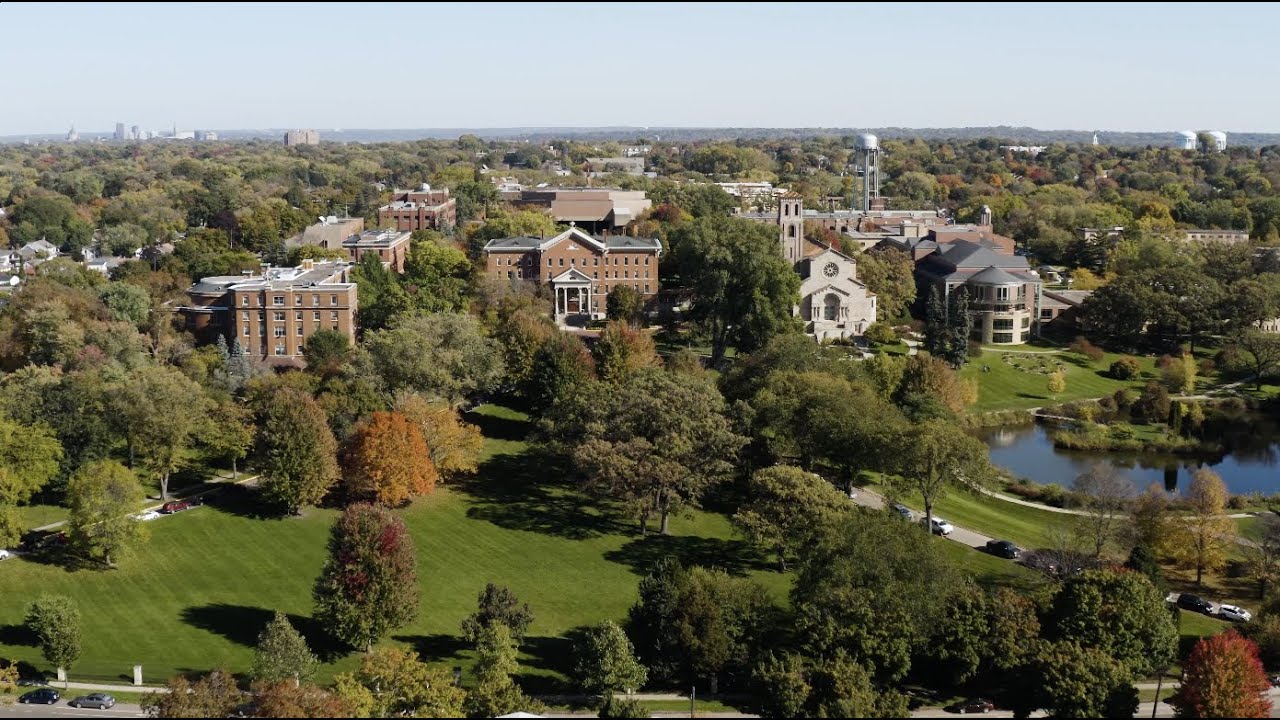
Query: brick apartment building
point(580, 268)
point(273, 314)
point(392, 246)
point(422, 209)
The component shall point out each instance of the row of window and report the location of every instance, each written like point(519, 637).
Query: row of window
point(1007, 337)
point(278, 300)
point(278, 316)
point(279, 330)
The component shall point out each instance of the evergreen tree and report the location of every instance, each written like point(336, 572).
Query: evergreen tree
point(935, 325)
point(495, 693)
point(238, 364)
point(223, 351)
point(959, 328)
point(282, 653)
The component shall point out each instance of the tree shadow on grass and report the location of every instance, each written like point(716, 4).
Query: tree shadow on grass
point(242, 624)
point(549, 654)
point(735, 557)
point(1031, 396)
point(17, 635)
point(245, 502)
point(437, 648)
point(532, 491)
point(499, 428)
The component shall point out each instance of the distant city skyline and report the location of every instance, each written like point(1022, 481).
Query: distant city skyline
point(225, 66)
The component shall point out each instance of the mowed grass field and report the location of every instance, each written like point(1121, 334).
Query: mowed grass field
point(1006, 386)
point(199, 592)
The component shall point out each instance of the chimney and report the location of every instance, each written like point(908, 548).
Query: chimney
point(308, 264)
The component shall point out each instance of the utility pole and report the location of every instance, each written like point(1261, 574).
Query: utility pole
point(693, 694)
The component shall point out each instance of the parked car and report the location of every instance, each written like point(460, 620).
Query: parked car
point(43, 696)
point(31, 682)
point(1004, 549)
point(145, 516)
point(1195, 603)
point(100, 701)
point(973, 705)
point(5, 554)
point(938, 526)
point(902, 510)
point(1274, 680)
point(174, 506)
point(1234, 613)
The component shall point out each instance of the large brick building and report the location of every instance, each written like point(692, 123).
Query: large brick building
point(422, 209)
point(391, 246)
point(580, 268)
point(273, 314)
point(596, 209)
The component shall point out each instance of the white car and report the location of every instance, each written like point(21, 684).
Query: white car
point(1233, 613)
point(5, 554)
point(148, 515)
point(938, 526)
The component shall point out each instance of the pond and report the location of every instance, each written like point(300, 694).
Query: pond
point(1252, 464)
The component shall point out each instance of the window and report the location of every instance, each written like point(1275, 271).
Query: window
point(508, 274)
point(1002, 324)
point(315, 316)
point(595, 274)
point(615, 261)
point(298, 316)
point(786, 209)
point(646, 287)
point(573, 262)
point(315, 300)
point(333, 299)
point(1002, 337)
point(595, 261)
point(548, 275)
point(830, 307)
point(244, 317)
point(277, 300)
point(262, 315)
point(791, 231)
point(278, 316)
point(244, 300)
point(626, 261)
point(626, 274)
point(333, 316)
point(548, 262)
point(262, 349)
point(561, 262)
point(1046, 314)
point(279, 349)
point(297, 299)
point(248, 330)
point(1026, 323)
point(646, 260)
point(299, 331)
point(1002, 294)
point(279, 331)
point(646, 274)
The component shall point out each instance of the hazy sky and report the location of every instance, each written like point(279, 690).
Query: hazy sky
point(369, 65)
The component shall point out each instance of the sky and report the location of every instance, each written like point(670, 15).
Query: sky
point(488, 65)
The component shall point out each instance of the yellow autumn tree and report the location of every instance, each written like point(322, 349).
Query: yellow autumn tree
point(389, 461)
point(455, 445)
point(1201, 539)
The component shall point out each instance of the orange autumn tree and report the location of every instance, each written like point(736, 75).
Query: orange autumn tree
point(1224, 678)
point(389, 461)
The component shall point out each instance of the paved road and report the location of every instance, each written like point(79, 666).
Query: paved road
point(967, 537)
point(63, 710)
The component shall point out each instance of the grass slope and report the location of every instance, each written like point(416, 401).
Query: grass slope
point(1006, 386)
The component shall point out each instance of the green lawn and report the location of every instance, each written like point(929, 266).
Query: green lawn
point(1017, 383)
point(197, 595)
point(1249, 528)
point(989, 571)
point(34, 516)
point(1026, 526)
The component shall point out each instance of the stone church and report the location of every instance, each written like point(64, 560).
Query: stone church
point(833, 304)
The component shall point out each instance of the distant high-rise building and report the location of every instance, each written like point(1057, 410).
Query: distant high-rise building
point(205, 135)
point(119, 133)
point(72, 135)
point(135, 133)
point(301, 137)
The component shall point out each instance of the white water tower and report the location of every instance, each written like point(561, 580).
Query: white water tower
point(1187, 140)
point(868, 168)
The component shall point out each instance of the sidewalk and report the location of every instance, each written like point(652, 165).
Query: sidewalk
point(209, 487)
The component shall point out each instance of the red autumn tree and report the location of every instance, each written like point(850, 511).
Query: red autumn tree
point(1224, 678)
point(389, 461)
point(287, 699)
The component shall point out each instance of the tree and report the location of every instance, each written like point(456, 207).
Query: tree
point(890, 274)
point(936, 337)
point(498, 605)
point(287, 699)
point(1261, 352)
point(229, 433)
point(744, 290)
point(959, 328)
point(394, 683)
point(388, 461)
point(1118, 612)
point(937, 455)
point(282, 653)
point(1105, 492)
point(435, 275)
point(55, 622)
point(368, 585)
point(1057, 383)
point(1068, 680)
point(1223, 678)
point(931, 378)
point(29, 458)
point(625, 303)
point(780, 686)
point(784, 503)
point(1149, 519)
point(495, 693)
point(879, 333)
point(127, 303)
point(612, 706)
point(123, 240)
point(1142, 560)
point(658, 446)
point(161, 413)
point(101, 495)
point(787, 688)
point(605, 661)
point(382, 299)
point(455, 445)
point(1264, 555)
point(327, 352)
point(444, 355)
point(296, 452)
point(213, 696)
point(1125, 368)
point(871, 590)
point(561, 368)
point(1201, 539)
point(621, 350)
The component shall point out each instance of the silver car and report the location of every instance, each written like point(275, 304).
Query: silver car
point(99, 701)
point(1234, 614)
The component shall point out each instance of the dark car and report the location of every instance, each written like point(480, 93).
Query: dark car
point(174, 506)
point(1274, 680)
point(43, 696)
point(974, 705)
point(1004, 549)
point(1195, 603)
point(101, 701)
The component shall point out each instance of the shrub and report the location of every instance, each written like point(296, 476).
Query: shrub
point(975, 349)
point(1107, 405)
point(881, 334)
point(1125, 368)
point(1084, 347)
